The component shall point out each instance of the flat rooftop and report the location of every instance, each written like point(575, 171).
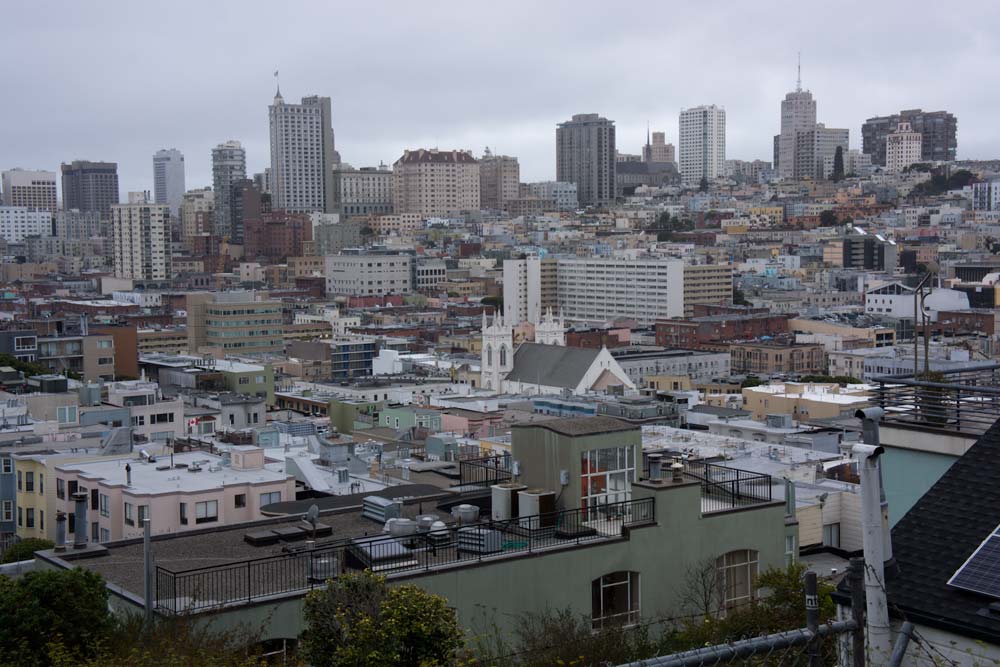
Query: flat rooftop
point(159, 477)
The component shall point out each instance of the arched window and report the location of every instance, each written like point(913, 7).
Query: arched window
point(503, 355)
point(615, 599)
point(489, 355)
point(738, 577)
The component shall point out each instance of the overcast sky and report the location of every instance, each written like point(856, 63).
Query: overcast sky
point(118, 80)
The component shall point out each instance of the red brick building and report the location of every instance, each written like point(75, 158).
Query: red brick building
point(707, 331)
point(276, 236)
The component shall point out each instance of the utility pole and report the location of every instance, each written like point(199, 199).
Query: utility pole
point(812, 620)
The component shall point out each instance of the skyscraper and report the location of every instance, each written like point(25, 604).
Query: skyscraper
point(435, 183)
point(302, 155)
point(585, 155)
point(168, 179)
point(90, 186)
point(798, 114)
point(499, 180)
point(938, 130)
point(141, 239)
point(702, 143)
point(229, 165)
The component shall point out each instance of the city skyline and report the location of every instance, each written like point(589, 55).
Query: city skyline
point(384, 104)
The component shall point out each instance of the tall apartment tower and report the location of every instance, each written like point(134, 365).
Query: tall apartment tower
point(168, 179)
point(499, 180)
point(798, 114)
point(585, 155)
point(197, 213)
point(435, 183)
point(90, 186)
point(302, 155)
point(938, 131)
point(657, 149)
point(141, 238)
point(229, 165)
point(902, 148)
point(702, 143)
point(31, 189)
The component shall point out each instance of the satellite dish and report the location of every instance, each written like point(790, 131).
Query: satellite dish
point(311, 517)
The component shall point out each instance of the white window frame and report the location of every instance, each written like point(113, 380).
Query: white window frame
point(8, 510)
point(206, 511)
point(268, 498)
point(729, 566)
point(599, 589)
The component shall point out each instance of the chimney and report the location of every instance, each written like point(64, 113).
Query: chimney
point(80, 524)
point(678, 472)
point(655, 467)
point(60, 531)
point(128, 474)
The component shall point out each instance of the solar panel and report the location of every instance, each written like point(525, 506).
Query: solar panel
point(981, 572)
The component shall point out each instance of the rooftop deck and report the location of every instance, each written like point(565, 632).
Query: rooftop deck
point(962, 401)
point(213, 570)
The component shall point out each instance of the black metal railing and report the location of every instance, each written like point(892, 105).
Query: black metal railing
point(485, 471)
point(960, 401)
point(724, 488)
point(302, 569)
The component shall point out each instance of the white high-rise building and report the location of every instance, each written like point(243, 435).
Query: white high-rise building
point(18, 222)
point(302, 155)
point(32, 189)
point(599, 289)
point(529, 288)
point(141, 238)
point(168, 179)
point(902, 148)
point(229, 165)
point(702, 143)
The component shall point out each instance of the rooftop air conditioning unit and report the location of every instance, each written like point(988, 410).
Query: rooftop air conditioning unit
point(536, 508)
point(505, 503)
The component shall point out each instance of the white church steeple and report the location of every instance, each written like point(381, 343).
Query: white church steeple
point(550, 331)
point(497, 357)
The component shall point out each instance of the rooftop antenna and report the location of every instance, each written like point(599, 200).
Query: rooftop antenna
point(798, 80)
point(277, 84)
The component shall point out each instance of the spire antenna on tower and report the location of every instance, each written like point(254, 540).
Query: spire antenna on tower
point(798, 80)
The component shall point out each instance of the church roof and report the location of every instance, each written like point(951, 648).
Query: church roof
point(551, 365)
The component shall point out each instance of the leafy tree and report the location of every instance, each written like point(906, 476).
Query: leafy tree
point(703, 184)
point(70, 606)
point(367, 231)
point(828, 218)
point(495, 301)
point(27, 367)
point(25, 550)
point(740, 298)
point(751, 381)
point(358, 620)
point(838, 164)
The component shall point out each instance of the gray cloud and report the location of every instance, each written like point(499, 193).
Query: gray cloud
point(119, 80)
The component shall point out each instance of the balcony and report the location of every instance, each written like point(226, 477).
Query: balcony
point(725, 489)
point(961, 402)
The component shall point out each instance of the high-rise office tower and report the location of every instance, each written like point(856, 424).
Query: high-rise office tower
point(31, 189)
point(229, 165)
point(90, 186)
point(499, 180)
point(585, 155)
point(302, 155)
point(798, 114)
point(141, 240)
point(168, 179)
point(702, 143)
point(938, 131)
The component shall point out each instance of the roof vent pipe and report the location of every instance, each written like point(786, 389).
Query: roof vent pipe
point(877, 631)
point(870, 418)
point(655, 467)
point(128, 474)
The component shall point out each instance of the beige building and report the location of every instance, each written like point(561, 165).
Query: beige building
point(902, 148)
point(435, 183)
point(707, 283)
point(195, 202)
point(658, 150)
point(806, 400)
point(31, 189)
point(233, 323)
point(168, 340)
point(141, 238)
point(499, 180)
point(303, 267)
point(399, 224)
